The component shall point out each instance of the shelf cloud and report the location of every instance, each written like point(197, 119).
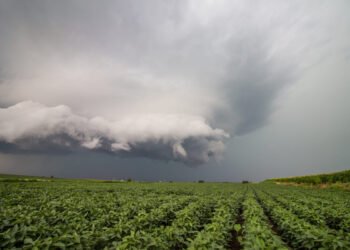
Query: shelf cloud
point(33, 127)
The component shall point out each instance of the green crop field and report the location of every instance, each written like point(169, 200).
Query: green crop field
point(44, 213)
point(338, 177)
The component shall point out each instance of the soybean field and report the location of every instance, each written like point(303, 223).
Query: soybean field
point(68, 214)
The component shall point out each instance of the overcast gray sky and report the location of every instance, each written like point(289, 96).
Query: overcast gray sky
point(174, 90)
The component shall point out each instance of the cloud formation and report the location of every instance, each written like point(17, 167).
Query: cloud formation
point(166, 80)
point(33, 127)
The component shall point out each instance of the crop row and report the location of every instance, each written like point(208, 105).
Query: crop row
point(298, 232)
point(257, 230)
point(70, 215)
point(68, 221)
point(218, 233)
point(317, 211)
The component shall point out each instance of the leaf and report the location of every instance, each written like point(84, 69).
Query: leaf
point(237, 227)
point(60, 245)
point(28, 241)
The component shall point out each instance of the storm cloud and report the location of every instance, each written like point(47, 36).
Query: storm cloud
point(168, 80)
point(30, 126)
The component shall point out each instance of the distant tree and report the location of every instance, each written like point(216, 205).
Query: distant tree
point(129, 180)
point(52, 177)
point(245, 182)
point(201, 181)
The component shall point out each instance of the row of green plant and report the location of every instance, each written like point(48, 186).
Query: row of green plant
point(90, 215)
point(97, 215)
point(316, 211)
point(68, 218)
point(299, 233)
point(218, 233)
point(187, 223)
point(257, 230)
point(158, 217)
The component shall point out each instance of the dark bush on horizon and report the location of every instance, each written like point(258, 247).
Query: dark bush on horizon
point(339, 177)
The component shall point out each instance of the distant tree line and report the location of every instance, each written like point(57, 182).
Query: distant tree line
point(339, 177)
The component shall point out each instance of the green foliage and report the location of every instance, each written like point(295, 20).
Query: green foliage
point(339, 177)
point(257, 231)
point(299, 233)
point(67, 214)
point(216, 234)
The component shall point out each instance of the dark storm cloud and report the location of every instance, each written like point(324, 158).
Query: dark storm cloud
point(33, 127)
point(258, 83)
point(56, 144)
point(165, 80)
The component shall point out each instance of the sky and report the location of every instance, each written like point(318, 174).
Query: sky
point(174, 90)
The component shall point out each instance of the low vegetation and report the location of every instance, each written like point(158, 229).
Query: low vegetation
point(78, 214)
point(338, 177)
